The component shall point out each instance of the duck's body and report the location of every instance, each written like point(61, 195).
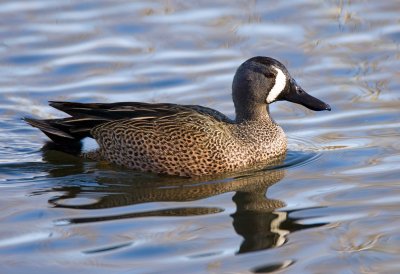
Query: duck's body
point(185, 140)
point(188, 143)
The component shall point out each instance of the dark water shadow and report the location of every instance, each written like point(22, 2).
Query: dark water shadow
point(257, 218)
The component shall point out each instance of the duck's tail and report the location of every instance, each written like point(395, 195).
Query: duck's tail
point(66, 131)
point(71, 130)
point(55, 130)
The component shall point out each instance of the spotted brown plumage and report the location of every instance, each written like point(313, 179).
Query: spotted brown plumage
point(187, 140)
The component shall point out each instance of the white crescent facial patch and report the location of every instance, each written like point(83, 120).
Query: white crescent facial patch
point(280, 84)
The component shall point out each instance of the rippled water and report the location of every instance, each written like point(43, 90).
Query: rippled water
point(331, 207)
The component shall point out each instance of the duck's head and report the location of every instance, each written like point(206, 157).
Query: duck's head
point(264, 80)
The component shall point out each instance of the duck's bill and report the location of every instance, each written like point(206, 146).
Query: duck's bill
point(299, 96)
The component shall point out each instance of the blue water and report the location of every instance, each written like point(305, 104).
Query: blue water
point(331, 207)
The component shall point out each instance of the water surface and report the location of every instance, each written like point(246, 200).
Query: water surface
point(330, 207)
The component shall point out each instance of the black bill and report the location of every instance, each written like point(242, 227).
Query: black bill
point(296, 94)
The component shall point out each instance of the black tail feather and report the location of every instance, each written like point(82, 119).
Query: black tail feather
point(46, 127)
point(63, 132)
point(57, 135)
point(68, 131)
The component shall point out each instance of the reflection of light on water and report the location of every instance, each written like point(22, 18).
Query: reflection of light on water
point(298, 144)
point(341, 216)
point(62, 222)
point(30, 237)
point(77, 201)
point(274, 30)
point(378, 164)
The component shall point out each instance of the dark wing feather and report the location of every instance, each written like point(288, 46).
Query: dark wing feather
point(84, 117)
point(126, 110)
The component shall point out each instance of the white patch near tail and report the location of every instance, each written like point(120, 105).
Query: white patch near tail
point(280, 84)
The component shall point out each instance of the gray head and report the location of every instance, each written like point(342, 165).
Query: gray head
point(263, 80)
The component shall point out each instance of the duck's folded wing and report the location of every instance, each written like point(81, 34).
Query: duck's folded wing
point(126, 110)
point(84, 117)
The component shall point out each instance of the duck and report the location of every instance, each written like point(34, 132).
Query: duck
point(187, 140)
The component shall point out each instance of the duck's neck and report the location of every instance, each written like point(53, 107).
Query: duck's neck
point(253, 113)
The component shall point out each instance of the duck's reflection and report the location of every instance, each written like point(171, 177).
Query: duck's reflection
point(256, 218)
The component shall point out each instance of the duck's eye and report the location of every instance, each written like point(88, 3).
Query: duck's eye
point(269, 74)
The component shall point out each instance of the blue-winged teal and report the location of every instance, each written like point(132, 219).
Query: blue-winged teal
point(187, 140)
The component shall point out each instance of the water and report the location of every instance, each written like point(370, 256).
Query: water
point(331, 207)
